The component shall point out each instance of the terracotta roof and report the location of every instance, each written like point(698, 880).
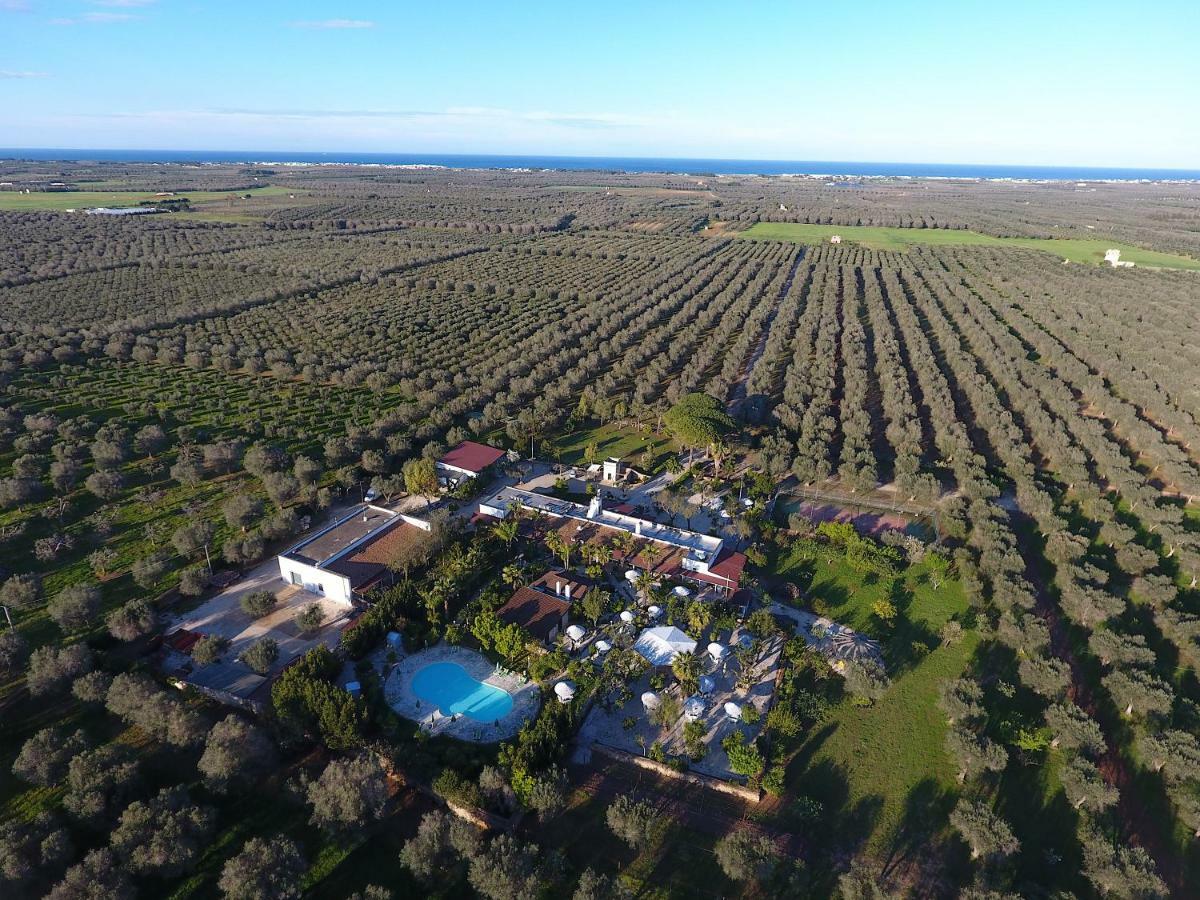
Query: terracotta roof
point(471, 457)
point(537, 611)
point(726, 571)
point(367, 564)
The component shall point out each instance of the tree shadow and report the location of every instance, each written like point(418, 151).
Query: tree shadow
point(918, 840)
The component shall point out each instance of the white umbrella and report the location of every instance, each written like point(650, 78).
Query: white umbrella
point(733, 711)
point(651, 700)
point(565, 691)
point(707, 684)
point(747, 502)
point(694, 708)
point(631, 574)
point(717, 651)
point(576, 632)
point(603, 646)
point(654, 612)
point(681, 591)
point(627, 617)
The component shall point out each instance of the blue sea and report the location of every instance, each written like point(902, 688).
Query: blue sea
point(621, 164)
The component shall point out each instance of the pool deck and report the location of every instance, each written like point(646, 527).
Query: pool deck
point(398, 692)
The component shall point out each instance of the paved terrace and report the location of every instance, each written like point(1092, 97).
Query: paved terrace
point(397, 691)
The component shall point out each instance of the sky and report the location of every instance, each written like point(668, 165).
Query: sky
point(1022, 83)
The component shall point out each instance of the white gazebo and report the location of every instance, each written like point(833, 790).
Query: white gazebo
point(576, 633)
point(733, 711)
point(718, 651)
point(627, 617)
point(632, 574)
point(602, 646)
point(654, 612)
point(693, 708)
point(707, 685)
point(660, 646)
point(565, 691)
point(681, 591)
point(651, 701)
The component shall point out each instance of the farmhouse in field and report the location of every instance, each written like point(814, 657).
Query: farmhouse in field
point(835, 239)
point(676, 553)
point(354, 554)
point(467, 460)
point(1113, 257)
point(543, 608)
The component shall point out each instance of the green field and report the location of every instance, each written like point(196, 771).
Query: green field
point(1081, 250)
point(64, 200)
point(882, 771)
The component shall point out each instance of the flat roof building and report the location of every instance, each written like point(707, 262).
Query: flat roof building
point(354, 554)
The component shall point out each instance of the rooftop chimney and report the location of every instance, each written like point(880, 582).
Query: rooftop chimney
point(557, 588)
point(567, 590)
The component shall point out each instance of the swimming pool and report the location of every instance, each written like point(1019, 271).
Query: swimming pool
point(453, 691)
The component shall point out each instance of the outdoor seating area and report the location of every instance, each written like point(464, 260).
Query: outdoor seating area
point(629, 720)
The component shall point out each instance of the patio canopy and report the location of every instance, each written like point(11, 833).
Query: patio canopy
point(660, 646)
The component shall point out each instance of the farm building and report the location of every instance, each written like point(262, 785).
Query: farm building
point(677, 553)
point(354, 554)
point(835, 239)
point(467, 460)
point(543, 607)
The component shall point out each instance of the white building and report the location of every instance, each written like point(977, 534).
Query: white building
point(1113, 257)
point(835, 239)
point(353, 554)
point(468, 460)
point(699, 557)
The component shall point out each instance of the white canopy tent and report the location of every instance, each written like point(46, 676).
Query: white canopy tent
point(627, 617)
point(707, 685)
point(603, 646)
point(631, 574)
point(693, 708)
point(565, 691)
point(651, 701)
point(733, 711)
point(717, 651)
point(681, 591)
point(654, 612)
point(576, 633)
point(660, 646)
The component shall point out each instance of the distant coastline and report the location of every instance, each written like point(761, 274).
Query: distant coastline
point(627, 164)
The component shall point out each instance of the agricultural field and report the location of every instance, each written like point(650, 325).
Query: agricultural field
point(899, 239)
point(80, 200)
point(182, 395)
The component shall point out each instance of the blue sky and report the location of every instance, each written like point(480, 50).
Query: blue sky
point(1067, 83)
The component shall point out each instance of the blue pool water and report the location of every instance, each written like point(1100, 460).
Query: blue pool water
point(447, 686)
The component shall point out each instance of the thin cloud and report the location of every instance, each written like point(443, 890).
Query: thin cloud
point(335, 24)
point(15, 6)
point(328, 113)
point(96, 18)
point(123, 4)
point(20, 75)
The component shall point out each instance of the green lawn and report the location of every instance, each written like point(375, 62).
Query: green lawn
point(900, 239)
point(645, 451)
point(882, 772)
point(63, 200)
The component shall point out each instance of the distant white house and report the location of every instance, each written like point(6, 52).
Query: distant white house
point(835, 239)
point(1113, 257)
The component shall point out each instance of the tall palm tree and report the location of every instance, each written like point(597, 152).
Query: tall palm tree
point(559, 546)
point(512, 575)
point(686, 669)
point(506, 531)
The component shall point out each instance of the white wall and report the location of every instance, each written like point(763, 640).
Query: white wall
point(330, 584)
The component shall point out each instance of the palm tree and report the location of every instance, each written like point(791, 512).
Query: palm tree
point(512, 575)
point(559, 546)
point(645, 581)
point(650, 553)
point(506, 531)
point(686, 668)
point(699, 615)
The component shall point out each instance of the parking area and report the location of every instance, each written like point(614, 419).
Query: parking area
point(222, 615)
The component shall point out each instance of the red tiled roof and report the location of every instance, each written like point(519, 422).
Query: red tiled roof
point(536, 611)
point(471, 457)
point(368, 563)
point(726, 570)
